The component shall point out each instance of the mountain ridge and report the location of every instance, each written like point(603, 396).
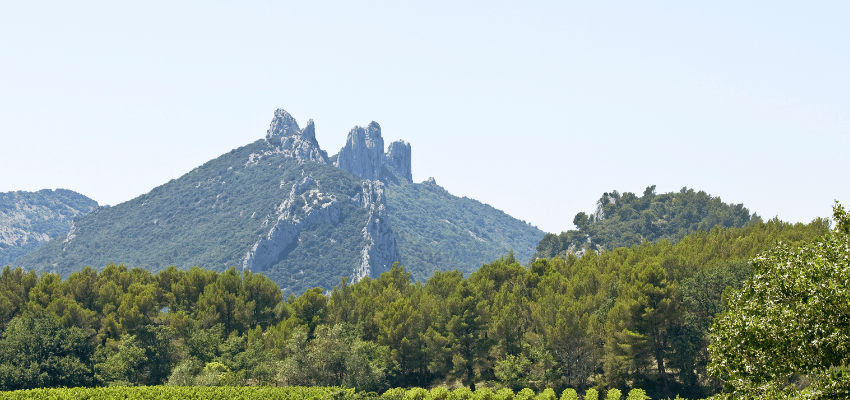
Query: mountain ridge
point(281, 206)
point(30, 219)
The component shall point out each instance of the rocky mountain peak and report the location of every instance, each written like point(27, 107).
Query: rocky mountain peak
point(284, 136)
point(363, 154)
point(309, 131)
point(282, 125)
point(397, 159)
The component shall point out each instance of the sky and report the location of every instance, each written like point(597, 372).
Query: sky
point(535, 108)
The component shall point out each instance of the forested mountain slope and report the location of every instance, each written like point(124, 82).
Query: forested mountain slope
point(624, 220)
point(30, 219)
point(435, 229)
point(212, 217)
point(282, 207)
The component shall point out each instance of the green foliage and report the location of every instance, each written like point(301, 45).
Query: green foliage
point(614, 394)
point(336, 354)
point(416, 394)
point(524, 394)
point(626, 220)
point(629, 317)
point(436, 231)
point(591, 394)
point(36, 351)
point(484, 393)
point(439, 393)
point(786, 329)
point(638, 394)
point(569, 394)
point(546, 394)
point(462, 393)
point(117, 364)
point(163, 393)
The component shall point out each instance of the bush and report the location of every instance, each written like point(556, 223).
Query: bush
point(637, 394)
point(461, 394)
point(484, 394)
point(569, 394)
point(614, 394)
point(524, 394)
point(439, 393)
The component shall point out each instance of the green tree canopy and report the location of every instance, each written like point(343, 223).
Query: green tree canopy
point(787, 331)
point(37, 352)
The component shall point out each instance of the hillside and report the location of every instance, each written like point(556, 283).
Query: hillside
point(30, 219)
point(435, 229)
point(211, 217)
point(624, 220)
point(282, 207)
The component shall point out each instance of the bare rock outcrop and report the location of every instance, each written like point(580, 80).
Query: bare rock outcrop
point(397, 159)
point(306, 206)
point(380, 251)
point(363, 154)
point(285, 137)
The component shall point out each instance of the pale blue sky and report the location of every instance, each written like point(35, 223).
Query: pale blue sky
point(535, 108)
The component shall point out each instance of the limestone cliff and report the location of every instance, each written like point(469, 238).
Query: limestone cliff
point(397, 159)
point(380, 252)
point(306, 206)
point(285, 137)
point(363, 154)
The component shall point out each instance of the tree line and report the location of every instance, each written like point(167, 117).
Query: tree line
point(624, 220)
point(636, 317)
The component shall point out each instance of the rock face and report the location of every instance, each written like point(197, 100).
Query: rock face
point(305, 207)
point(285, 137)
point(29, 219)
point(397, 159)
point(381, 251)
point(363, 154)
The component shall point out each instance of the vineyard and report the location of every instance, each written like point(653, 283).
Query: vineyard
point(305, 393)
point(183, 393)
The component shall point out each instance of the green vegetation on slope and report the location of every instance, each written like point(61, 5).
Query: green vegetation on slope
point(436, 231)
point(634, 317)
point(626, 220)
point(28, 218)
point(212, 216)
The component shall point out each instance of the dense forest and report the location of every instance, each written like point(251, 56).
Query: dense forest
point(635, 317)
point(624, 220)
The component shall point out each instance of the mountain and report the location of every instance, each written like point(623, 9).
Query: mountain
point(624, 220)
point(30, 219)
point(282, 207)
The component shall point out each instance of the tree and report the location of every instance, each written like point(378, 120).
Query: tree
point(36, 351)
point(118, 362)
point(787, 331)
point(467, 334)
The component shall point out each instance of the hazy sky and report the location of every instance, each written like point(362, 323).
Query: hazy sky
point(536, 109)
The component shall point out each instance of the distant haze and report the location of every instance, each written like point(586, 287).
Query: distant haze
point(534, 109)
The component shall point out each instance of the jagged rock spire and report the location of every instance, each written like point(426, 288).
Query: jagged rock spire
point(363, 154)
point(397, 159)
point(287, 138)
